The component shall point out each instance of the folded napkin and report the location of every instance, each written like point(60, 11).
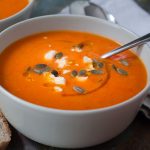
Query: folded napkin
point(128, 14)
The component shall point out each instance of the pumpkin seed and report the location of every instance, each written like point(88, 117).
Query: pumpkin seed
point(122, 72)
point(41, 68)
point(82, 73)
point(78, 89)
point(74, 73)
point(79, 46)
point(94, 63)
point(58, 55)
point(29, 69)
point(124, 62)
point(100, 64)
point(97, 72)
point(26, 73)
point(119, 70)
point(55, 73)
point(114, 67)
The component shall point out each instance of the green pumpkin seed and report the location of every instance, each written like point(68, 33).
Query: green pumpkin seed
point(79, 46)
point(97, 72)
point(55, 73)
point(100, 64)
point(82, 73)
point(58, 55)
point(122, 72)
point(114, 67)
point(74, 73)
point(124, 62)
point(28, 70)
point(41, 68)
point(94, 63)
point(119, 70)
point(78, 89)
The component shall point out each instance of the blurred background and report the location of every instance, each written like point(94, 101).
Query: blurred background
point(132, 14)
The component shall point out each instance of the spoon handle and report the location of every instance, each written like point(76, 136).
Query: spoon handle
point(137, 42)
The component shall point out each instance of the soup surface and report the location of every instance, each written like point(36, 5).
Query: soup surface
point(11, 7)
point(62, 69)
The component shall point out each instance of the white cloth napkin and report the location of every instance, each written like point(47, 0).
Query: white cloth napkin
point(127, 14)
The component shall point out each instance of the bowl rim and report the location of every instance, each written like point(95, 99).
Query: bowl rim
point(37, 107)
point(18, 13)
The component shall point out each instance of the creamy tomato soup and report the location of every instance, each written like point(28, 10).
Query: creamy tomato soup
point(11, 7)
point(63, 70)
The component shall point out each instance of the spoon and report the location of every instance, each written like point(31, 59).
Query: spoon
point(88, 8)
point(137, 42)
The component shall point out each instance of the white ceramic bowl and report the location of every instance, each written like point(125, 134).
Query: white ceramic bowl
point(21, 15)
point(62, 128)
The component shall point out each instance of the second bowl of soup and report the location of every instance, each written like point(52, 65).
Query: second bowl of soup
point(13, 11)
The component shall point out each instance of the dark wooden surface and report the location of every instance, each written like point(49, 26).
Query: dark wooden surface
point(135, 137)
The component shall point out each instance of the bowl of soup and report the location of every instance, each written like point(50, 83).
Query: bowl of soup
point(57, 91)
point(13, 11)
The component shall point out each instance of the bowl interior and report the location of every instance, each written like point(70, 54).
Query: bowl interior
point(77, 23)
point(18, 13)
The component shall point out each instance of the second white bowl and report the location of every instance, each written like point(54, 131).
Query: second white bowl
point(21, 15)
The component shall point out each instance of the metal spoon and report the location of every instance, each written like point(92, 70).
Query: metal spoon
point(137, 42)
point(88, 8)
point(97, 11)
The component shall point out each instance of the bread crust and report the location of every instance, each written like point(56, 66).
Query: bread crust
point(5, 132)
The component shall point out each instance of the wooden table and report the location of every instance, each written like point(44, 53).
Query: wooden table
point(135, 137)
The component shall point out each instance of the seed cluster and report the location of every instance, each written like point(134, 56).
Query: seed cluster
point(96, 64)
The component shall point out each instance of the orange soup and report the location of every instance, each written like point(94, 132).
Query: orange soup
point(63, 70)
point(11, 7)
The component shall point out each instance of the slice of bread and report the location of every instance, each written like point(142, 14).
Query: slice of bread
point(5, 133)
